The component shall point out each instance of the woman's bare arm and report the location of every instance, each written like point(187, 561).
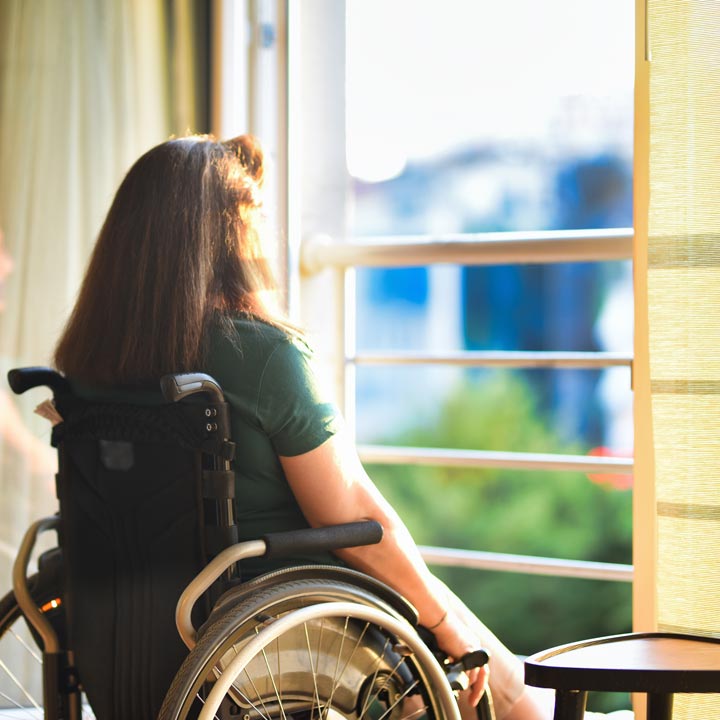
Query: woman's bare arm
point(331, 486)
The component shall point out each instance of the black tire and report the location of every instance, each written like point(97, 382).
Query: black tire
point(383, 673)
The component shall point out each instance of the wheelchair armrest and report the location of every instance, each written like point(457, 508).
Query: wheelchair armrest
point(287, 543)
point(317, 540)
point(22, 379)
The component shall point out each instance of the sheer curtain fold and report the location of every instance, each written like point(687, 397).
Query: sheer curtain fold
point(684, 317)
point(83, 95)
point(85, 88)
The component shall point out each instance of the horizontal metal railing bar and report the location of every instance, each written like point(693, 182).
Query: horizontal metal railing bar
point(492, 358)
point(496, 248)
point(443, 457)
point(527, 564)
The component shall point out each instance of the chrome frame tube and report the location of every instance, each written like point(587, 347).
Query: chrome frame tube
point(204, 579)
point(24, 599)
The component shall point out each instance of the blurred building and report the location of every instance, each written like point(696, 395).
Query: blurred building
point(515, 307)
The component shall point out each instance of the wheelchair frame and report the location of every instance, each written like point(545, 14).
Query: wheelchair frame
point(274, 618)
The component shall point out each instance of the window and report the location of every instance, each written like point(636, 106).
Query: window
point(416, 128)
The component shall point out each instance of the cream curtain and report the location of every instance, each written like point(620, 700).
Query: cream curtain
point(85, 87)
point(683, 283)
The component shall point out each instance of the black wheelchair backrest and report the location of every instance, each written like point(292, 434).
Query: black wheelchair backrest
point(146, 498)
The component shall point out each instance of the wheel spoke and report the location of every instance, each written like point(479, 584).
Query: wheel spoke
point(378, 661)
point(314, 675)
point(24, 708)
point(399, 699)
point(376, 694)
point(352, 654)
point(22, 642)
point(262, 714)
point(272, 680)
point(337, 666)
point(279, 670)
point(320, 639)
point(258, 694)
point(19, 685)
point(202, 700)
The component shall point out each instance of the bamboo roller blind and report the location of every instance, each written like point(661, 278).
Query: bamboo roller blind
point(684, 317)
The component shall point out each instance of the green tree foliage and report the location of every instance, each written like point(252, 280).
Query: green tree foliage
point(553, 514)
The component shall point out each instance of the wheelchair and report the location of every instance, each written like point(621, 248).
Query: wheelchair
point(146, 528)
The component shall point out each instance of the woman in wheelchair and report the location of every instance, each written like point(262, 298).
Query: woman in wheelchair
point(179, 282)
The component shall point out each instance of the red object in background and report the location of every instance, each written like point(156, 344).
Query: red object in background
point(611, 480)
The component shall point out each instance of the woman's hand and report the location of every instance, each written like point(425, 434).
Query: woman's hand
point(457, 638)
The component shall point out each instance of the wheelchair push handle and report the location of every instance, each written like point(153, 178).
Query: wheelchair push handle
point(319, 540)
point(179, 387)
point(22, 379)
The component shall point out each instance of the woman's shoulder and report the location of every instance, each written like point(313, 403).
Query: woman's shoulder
point(253, 343)
point(248, 334)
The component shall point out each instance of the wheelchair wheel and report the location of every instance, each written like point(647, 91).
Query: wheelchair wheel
point(21, 692)
point(311, 648)
point(21, 689)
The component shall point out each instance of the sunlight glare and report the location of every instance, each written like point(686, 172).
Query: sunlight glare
point(425, 77)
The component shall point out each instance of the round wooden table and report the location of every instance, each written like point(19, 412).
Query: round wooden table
point(659, 664)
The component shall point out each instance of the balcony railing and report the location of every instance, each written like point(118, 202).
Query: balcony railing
point(526, 564)
point(392, 455)
point(319, 253)
point(497, 248)
point(509, 359)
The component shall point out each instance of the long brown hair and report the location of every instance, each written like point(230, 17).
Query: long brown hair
point(180, 248)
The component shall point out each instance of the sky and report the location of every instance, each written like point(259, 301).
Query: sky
point(425, 76)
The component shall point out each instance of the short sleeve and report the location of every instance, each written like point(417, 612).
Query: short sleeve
point(292, 408)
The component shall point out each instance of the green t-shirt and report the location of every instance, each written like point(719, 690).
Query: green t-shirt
point(277, 407)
